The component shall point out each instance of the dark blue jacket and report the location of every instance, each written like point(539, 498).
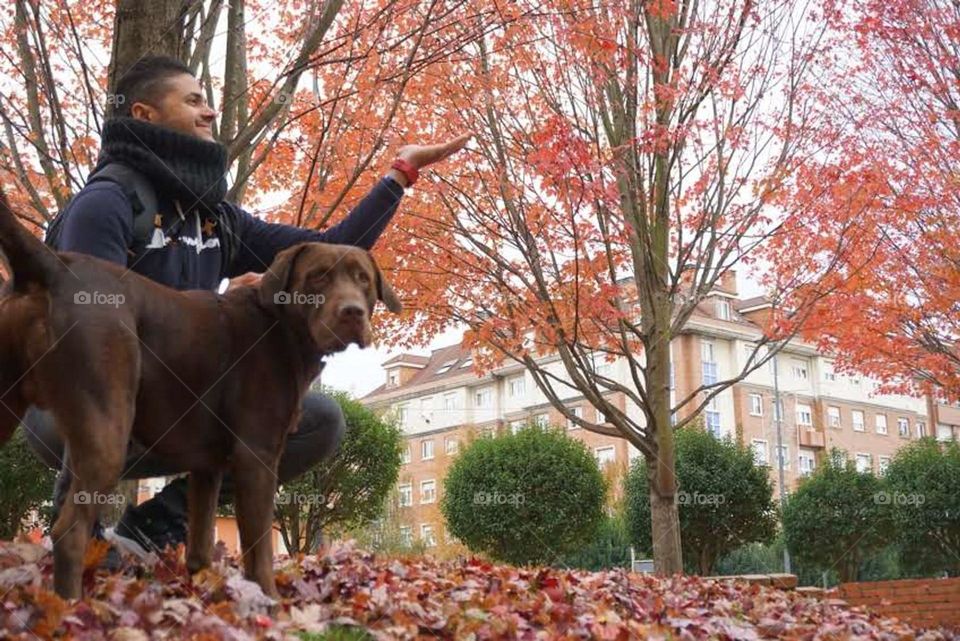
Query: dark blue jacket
point(99, 222)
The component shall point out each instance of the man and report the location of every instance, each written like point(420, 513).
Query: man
point(162, 132)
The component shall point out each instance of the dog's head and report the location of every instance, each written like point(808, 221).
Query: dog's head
point(333, 288)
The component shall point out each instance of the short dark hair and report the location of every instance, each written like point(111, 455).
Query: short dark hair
point(145, 82)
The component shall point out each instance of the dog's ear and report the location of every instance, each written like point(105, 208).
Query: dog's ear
point(384, 291)
point(277, 277)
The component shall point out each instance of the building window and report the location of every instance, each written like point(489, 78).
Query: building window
point(516, 387)
point(785, 456)
point(903, 427)
point(723, 309)
point(406, 535)
point(883, 462)
point(426, 408)
point(451, 445)
point(756, 405)
point(541, 420)
point(403, 413)
point(406, 494)
point(449, 402)
point(804, 415)
point(405, 455)
point(712, 417)
point(467, 362)
point(427, 536)
point(944, 433)
point(605, 455)
point(807, 462)
point(428, 491)
point(426, 450)
point(517, 425)
point(799, 370)
point(759, 447)
point(483, 398)
point(578, 412)
point(881, 423)
point(856, 417)
point(394, 379)
point(601, 366)
point(446, 366)
point(708, 363)
point(829, 374)
point(864, 463)
point(921, 429)
point(833, 415)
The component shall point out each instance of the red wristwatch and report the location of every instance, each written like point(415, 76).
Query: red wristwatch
point(408, 170)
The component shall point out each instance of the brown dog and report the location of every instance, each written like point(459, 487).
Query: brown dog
point(211, 381)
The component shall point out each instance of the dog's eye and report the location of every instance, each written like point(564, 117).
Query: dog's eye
point(363, 278)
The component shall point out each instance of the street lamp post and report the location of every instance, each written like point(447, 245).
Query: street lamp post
point(778, 419)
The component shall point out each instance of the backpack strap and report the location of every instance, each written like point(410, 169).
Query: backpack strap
point(141, 194)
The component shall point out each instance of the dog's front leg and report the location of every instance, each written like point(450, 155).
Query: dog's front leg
point(203, 491)
point(256, 484)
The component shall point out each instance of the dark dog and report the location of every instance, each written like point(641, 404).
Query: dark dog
point(213, 382)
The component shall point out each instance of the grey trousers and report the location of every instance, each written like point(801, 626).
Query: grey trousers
point(321, 429)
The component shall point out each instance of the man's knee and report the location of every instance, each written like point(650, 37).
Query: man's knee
point(40, 430)
point(323, 420)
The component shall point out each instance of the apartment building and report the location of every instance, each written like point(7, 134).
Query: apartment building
point(442, 404)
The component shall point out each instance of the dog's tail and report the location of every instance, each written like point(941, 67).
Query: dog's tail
point(30, 260)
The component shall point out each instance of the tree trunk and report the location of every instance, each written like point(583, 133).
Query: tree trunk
point(144, 29)
point(664, 516)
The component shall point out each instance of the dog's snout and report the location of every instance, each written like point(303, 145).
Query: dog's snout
point(352, 311)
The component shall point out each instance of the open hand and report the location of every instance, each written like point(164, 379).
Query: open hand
point(422, 155)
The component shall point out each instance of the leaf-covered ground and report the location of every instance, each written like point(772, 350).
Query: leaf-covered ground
point(347, 594)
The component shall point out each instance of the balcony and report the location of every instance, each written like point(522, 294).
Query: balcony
point(810, 437)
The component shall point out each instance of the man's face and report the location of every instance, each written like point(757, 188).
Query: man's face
point(182, 107)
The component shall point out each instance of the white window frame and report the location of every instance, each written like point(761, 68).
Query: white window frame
point(883, 462)
point(443, 369)
point(518, 425)
point(450, 402)
point(516, 386)
point(805, 455)
point(785, 449)
point(427, 535)
point(393, 378)
point(542, 420)
point(578, 412)
point(863, 420)
point(483, 398)
point(756, 404)
point(427, 453)
point(880, 423)
point(921, 429)
point(903, 426)
point(467, 362)
point(600, 453)
point(800, 369)
point(428, 491)
point(711, 417)
point(724, 309)
point(405, 490)
point(406, 455)
point(804, 415)
point(406, 535)
point(830, 416)
point(403, 413)
point(447, 441)
point(861, 456)
point(765, 462)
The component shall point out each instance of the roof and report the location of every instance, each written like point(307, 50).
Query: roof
point(752, 303)
point(412, 359)
point(455, 355)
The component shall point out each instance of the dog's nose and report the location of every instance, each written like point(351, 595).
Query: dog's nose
point(352, 312)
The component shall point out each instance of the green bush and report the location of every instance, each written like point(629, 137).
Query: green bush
point(725, 500)
point(836, 519)
point(26, 485)
point(608, 548)
point(922, 488)
point(525, 498)
point(347, 491)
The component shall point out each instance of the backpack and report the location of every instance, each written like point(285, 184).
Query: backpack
point(143, 198)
